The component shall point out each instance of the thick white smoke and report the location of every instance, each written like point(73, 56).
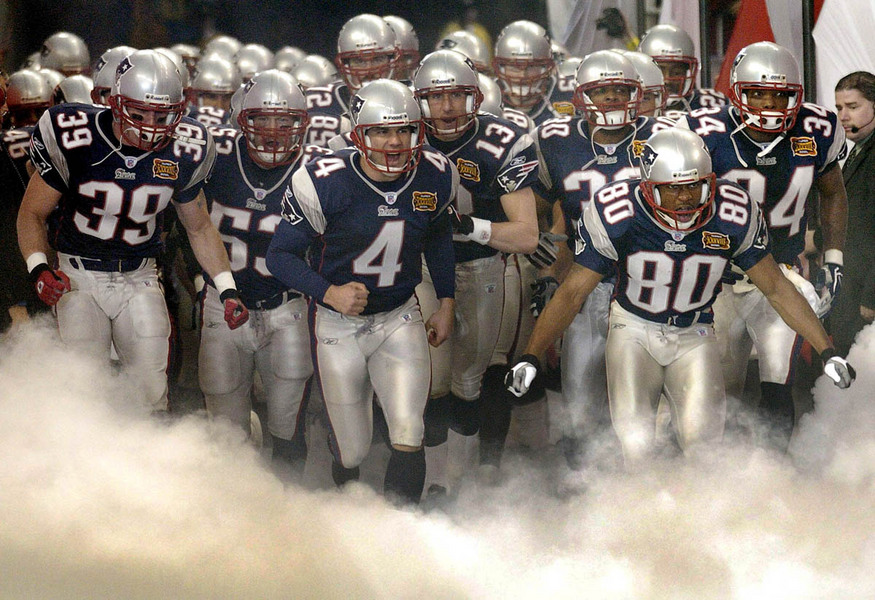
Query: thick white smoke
point(99, 501)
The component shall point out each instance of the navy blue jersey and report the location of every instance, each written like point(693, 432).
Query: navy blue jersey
point(113, 195)
point(16, 143)
point(573, 166)
point(699, 98)
point(328, 107)
point(562, 94)
point(357, 229)
point(245, 203)
point(495, 157)
point(664, 275)
point(544, 110)
point(209, 116)
point(780, 179)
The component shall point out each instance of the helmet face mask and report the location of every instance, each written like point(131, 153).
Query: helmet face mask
point(608, 90)
point(214, 82)
point(523, 63)
point(387, 126)
point(447, 77)
point(772, 71)
point(146, 100)
point(273, 118)
point(677, 180)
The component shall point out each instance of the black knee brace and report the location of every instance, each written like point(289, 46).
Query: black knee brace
point(405, 476)
point(342, 475)
point(465, 419)
point(437, 420)
point(495, 415)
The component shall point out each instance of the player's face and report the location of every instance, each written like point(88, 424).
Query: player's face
point(146, 119)
point(674, 74)
point(448, 112)
point(855, 110)
point(767, 99)
point(608, 98)
point(647, 107)
point(281, 127)
point(390, 145)
point(681, 197)
point(368, 68)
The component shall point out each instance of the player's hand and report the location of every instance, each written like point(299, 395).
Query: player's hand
point(542, 290)
point(828, 282)
point(50, 284)
point(546, 252)
point(837, 368)
point(348, 299)
point(730, 277)
point(439, 325)
point(520, 376)
point(236, 313)
point(476, 230)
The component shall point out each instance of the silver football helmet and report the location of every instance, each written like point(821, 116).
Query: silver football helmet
point(315, 70)
point(471, 46)
point(253, 58)
point(190, 55)
point(766, 66)
point(223, 45)
point(180, 65)
point(673, 50)
point(28, 95)
point(75, 88)
point(491, 102)
point(608, 90)
point(523, 63)
point(215, 80)
point(236, 106)
point(147, 99)
point(273, 117)
point(447, 72)
point(65, 52)
point(366, 50)
point(104, 72)
point(386, 103)
point(52, 77)
point(287, 58)
point(653, 99)
point(678, 157)
point(560, 52)
point(408, 45)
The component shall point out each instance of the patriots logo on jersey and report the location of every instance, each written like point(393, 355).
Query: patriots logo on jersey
point(511, 179)
point(289, 212)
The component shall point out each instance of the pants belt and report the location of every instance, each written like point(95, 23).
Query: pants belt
point(107, 266)
point(688, 319)
point(273, 301)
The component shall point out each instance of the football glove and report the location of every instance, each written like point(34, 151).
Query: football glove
point(519, 377)
point(828, 282)
point(542, 290)
point(837, 368)
point(476, 230)
point(50, 284)
point(236, 313)
point(546, 252)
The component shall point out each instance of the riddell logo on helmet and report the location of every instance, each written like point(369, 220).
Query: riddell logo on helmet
point(773, 78)
point(610, 75)
point(522, 54)
point(671, 52)
point(399, 117)
point(684, 175)
point(443, 81)
point(163, 98)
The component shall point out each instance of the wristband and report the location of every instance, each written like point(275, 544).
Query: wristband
point(531, 359)
point(828, 354)
point(834, 256)
point(224, 281)
point(36, 259)
point(482, 231)
point(230, 293)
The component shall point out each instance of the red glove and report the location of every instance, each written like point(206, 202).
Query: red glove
point(236, 314)
point(50, 284)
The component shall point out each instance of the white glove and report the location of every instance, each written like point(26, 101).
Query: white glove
point(837, 368)
point(520, 376)
point(546, 252)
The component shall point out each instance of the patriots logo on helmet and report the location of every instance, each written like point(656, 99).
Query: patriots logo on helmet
point(357, 104)
point(249, 85)
point(447, 44)
point(648, 157)
point(123, 67)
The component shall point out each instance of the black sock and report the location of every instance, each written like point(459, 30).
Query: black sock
point(778, 413)
point(341, 475)
point(495, 415)
point(293, 452)
point(405, 476)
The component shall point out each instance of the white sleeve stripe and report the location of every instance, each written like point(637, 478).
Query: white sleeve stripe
point(752, 229)
point(523, 142)
point(57, 158)
point(203, 169)
point(836, 147)
point(600, 238)
point(308, 199)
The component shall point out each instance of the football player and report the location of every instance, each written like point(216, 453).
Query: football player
point(215, 80)
point(244, 196)
point(578, 156)
point(524, 67)
point(495, 214)
point(367, 214)
point(672, 49)
point(669, 238)
point(111, 173)
point(367, 49)
point(776, 147)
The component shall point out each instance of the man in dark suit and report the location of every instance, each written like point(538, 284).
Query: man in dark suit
point(855, 305)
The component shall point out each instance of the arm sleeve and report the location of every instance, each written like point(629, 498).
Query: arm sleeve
point(285, 260)
point(440, 257)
